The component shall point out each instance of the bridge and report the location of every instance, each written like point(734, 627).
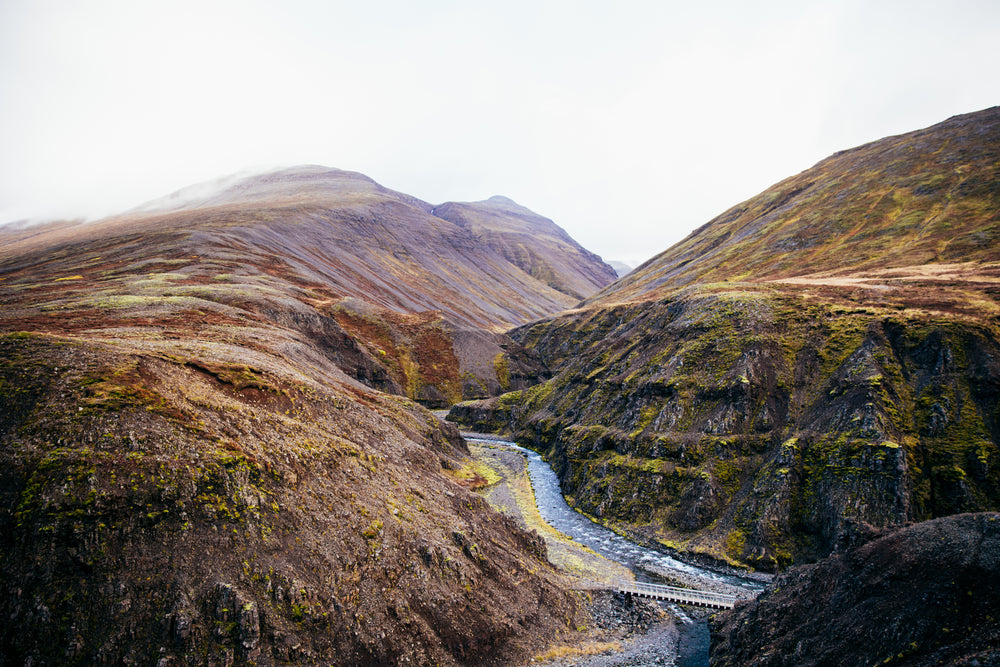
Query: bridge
point(673, 594)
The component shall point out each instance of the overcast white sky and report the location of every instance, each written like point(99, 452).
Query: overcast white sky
point(628, 123)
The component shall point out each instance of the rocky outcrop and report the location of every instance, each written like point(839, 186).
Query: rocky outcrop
point(926, 594)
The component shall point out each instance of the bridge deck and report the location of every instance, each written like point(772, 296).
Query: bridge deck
point(673, 594)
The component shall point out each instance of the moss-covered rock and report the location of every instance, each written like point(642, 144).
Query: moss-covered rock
point(192, 509)
point(759, 412)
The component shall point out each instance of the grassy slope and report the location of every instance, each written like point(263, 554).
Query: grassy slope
point(422, 299)
point(927, 197)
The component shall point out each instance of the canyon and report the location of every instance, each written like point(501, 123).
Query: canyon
point(217, 444)
point(212, 450)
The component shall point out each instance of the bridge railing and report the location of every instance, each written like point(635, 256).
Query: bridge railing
point(675, 594)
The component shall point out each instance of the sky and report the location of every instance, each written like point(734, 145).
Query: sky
point(629, 123)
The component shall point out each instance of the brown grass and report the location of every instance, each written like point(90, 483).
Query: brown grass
point(577, 650)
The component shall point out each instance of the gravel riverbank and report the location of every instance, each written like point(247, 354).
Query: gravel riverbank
point(513, 496)
point(639, 631)
point(624, 630)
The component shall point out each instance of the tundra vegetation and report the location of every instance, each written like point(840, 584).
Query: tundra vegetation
point(214, 441)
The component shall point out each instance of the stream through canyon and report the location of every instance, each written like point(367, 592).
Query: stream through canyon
point(647, 564)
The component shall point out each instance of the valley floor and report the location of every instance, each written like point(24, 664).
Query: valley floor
point(622, 632)
point(512, 494)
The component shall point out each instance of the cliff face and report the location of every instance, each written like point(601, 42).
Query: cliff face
point(750, 418)
point(751, 426)
point(207, 452)
point(922, 595)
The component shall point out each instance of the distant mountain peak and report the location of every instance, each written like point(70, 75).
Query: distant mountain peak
point(250, 183)
point(532, 242)
point(500, 202)
point(621, 268)
point(500, 199)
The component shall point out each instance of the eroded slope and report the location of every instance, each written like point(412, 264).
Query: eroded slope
point(186, 507)
point(750, 426)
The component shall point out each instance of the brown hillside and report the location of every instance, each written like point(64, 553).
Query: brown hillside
point(423, 299)
point(532, 243)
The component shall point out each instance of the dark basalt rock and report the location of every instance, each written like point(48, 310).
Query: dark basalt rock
point(926, 594)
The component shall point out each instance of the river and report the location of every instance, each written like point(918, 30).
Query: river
point(643, 561)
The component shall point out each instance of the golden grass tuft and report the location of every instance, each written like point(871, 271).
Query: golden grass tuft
point(578, 650)
point(475, 475)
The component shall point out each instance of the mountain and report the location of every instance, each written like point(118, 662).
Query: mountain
point(825, 352)
point(921, 595)
point(411, 302)
point(208, 447)
point(532, 243)
point(621, 268)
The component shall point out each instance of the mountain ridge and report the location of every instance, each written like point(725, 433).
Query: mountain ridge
point(317, 232)
point(512, 230)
